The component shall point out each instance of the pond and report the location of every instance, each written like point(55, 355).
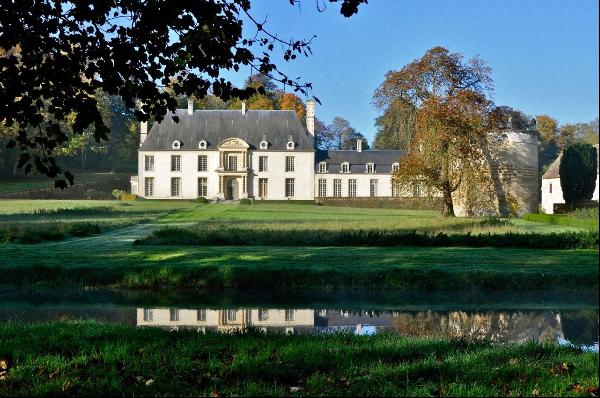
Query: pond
point(563, 318)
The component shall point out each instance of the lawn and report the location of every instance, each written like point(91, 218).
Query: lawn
point(110, 259)
point(89, 358)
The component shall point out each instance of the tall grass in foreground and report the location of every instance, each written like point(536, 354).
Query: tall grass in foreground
point(366, 237)
point(88, 358)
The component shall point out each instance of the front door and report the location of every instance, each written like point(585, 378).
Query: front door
point(232, 191)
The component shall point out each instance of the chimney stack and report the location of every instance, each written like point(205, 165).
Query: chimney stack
point(310, 117)
point(359, 145)
point(243, 107)
point(190, 106)
point(143, 125)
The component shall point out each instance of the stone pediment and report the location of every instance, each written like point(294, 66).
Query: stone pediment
point(234, 143)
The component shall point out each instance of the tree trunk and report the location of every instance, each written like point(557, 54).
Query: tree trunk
point(83, 155)
point(448, 209)
point(15, 167)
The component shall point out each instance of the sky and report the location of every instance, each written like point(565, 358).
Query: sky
point(543, 54)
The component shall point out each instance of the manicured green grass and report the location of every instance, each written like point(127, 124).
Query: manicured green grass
point(557, 219)
point(88, 358)
point(91, 263)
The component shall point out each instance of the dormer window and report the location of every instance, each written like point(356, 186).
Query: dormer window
point(176, 144)
point(395, 167)
point(264, 145)
point(290, 143)
point(322, 167)
point(345, 167)
point(202, 144)
point(370, 169)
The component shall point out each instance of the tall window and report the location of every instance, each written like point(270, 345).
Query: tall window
point(175, 162)
point(263, 315)
point(396, 189)
point(322, 167)
point(232, 163)
point(231, 315)
point(289, 315)
point(289, 163)
point(149, 162)
point(174, 314)
point(201, 315)
point(373, 190)
point(202, 163)
point(203, 187)
point(289, 187)
point(370, 168)
point(148, 315)
point(352, 188)
point(148, 186)
point(416, 188)
point(322, 187)
point(263, 163)
point(263, 187)
point(337, 188)
point(345, 167)
point(175, 186)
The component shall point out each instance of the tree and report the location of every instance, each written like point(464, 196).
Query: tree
point(578, 170)
point(547, 128)
point(131, 48)
point(292, 102)
point(447, 97)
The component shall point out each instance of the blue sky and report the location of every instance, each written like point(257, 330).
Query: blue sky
point(544, 54)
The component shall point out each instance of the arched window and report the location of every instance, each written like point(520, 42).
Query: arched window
point(176, 144)
point(345, 167)
point(322, 167)
point(370, 168)
point(202, 144)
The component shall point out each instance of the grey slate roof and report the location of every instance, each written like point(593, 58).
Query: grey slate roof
point(553, 170)
point(214, 126)
point(383, 159)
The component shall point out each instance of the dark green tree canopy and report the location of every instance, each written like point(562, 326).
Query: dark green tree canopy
point(578, 170)
point(56, 54)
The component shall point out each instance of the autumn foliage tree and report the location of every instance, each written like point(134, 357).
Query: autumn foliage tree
point(447, 98)
point(70, 50)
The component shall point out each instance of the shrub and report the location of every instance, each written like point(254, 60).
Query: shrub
point(80, 229)
point(202, 199)
point(245, 201)
point(578, 169)
point(367, 237)
point(119, 194)
point(586, 214)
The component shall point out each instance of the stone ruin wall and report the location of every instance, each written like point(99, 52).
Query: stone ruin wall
point(514, 158)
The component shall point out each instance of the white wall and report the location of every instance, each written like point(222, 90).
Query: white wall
point(549, 199)
point(303, 174)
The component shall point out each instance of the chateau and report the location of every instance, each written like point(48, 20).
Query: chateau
point(270, 155)
point(260, 154)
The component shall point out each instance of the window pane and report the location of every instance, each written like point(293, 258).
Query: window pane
point(289, 187)
point(202, 163)
point(289, 163)
point(373, 188)
point(149, 163)
point(174, 314)
point(322, 187)
point(337, 188)
point(175, 163)
point(203, 187)
point(232, 163)
point(201, 315)
point(149, 186)
point(175, 186)
point(263, 187)
point(148, 315)
point(263, 163)
point(352, 188)
point(231, 315)
point(289, 315)
point(263, 315)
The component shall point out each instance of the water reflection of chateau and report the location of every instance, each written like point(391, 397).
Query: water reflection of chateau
point(492, 326)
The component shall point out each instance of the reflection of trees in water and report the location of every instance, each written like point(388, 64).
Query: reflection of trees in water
point(492, 326)
point(581, 326)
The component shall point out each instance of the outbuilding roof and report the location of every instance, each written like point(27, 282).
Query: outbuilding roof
point(214, 126)
point(383, 159)
point(553, 170)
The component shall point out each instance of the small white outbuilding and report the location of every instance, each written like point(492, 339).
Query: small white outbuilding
point(551, 189)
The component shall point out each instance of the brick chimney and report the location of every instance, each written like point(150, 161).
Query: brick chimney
point(190, 106)
point(143, 125)
point(310, 117)
point(359, 145)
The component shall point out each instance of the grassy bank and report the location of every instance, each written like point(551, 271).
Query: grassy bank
point(558, 219)
point(202, 236)
point(96, 359)
point(256, 267)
